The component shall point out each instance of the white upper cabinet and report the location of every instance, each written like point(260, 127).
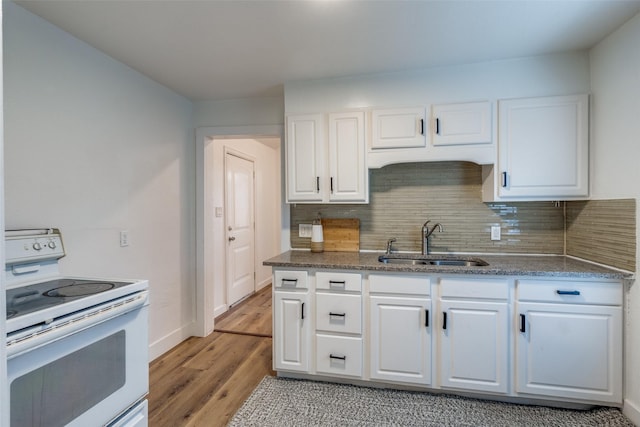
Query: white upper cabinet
point(542, 149)
point(347, 170)
point(468, 123)
point(398, 128)
point(324, 169)
point(305, 157)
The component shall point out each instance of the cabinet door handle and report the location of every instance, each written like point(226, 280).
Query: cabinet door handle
point(426, 318)
point(444, 320)
point(302, 311)
point(560, 292)
point(317, 184)
point(437, 126)
point(331, 184)
point(523, 323)
point(337, 314)
point(421, 126)
point(333, 356)
point(504, 179)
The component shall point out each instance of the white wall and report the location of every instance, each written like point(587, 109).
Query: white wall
point(615, 151)
point(94, 147)
point(239, 112)
point(526, 77)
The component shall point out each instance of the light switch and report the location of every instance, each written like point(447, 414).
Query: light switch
point(305, 230)
point(495, 232)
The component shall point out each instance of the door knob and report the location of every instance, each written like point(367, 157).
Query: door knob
point(231, 239)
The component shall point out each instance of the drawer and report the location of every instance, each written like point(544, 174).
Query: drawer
point(336, 281)
point(290, 279)
point(338, 355)
point(474, 288)
point(570, 291)
point(400, 284)
point(339, 313)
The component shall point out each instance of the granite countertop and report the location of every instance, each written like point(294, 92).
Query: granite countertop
point(508, 265)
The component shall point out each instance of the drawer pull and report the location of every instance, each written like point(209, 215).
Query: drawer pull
point(523, 323)
point(337, 283)
point(337, 314)
point(289, 281)
point(560, 292)
point(333, 356)
point(444, 320)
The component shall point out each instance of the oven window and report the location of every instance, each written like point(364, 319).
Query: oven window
point(58, 392)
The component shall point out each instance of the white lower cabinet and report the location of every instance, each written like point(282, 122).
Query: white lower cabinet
point(474, 334)
point(400, 339)
point(536, 338)
point(568, 347)
point(291, 331)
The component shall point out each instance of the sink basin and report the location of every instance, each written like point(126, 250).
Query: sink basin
point(432, 260)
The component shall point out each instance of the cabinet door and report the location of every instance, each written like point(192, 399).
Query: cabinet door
point(570, 351)
point(347, 169)
point(305, 158)
point(401, 339)
point(398, 128)
point(543, 147)
point(291, 332)
point(457, 124)
point(474, 351)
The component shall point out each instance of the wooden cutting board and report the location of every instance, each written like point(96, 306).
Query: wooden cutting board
point(341, 234)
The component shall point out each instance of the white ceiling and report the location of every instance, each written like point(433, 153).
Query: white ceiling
point(214, 49)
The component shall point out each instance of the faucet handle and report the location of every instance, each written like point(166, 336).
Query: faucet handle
point(390, 244)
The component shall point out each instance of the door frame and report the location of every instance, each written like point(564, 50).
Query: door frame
point(244, 156)
point(209, 236)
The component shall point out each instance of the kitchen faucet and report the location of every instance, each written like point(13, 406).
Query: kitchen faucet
point(426, 232)
point(390, 245)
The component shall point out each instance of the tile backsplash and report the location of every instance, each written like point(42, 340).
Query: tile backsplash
point(404, 196)
point(603, 231)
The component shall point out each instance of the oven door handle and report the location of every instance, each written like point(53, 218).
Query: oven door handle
point(25, 340)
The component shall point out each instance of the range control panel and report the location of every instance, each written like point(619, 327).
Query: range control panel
point(23, 246)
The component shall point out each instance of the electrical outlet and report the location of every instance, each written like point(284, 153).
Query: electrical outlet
point(124, 238)
point(305, 230)
point(495, 232)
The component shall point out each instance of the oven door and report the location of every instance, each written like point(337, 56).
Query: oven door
point(86, 378)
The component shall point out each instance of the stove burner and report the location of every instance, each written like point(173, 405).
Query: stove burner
point(79, 289)
point(11, 313)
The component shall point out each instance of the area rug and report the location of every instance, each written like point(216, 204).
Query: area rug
point(289, 402)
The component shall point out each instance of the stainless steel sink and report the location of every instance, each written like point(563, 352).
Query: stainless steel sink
point(432, 260)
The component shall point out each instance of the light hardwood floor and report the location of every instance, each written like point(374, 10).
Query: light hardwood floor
point(203, 381)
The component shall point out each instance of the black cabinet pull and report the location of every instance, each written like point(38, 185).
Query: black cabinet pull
point(559, 292)
point(444, 320)
point(337, 282)
point(331, 184)
point(426, 318)
point(504, 179)
point(317, 184)
point(289, 281)
point(437, 126)
point(337, 314)
point(302, 311)
point(421, 126)
point(523, 323)
point(332, 356)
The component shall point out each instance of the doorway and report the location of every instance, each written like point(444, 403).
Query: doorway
point(239, 218)
point(263, 145)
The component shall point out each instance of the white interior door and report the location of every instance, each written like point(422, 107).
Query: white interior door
point(240, 267)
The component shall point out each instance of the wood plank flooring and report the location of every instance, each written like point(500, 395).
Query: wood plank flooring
point(204, 381)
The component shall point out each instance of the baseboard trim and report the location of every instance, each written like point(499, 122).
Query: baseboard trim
point(631, 411)
point(266, 282)
point(166, 343)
